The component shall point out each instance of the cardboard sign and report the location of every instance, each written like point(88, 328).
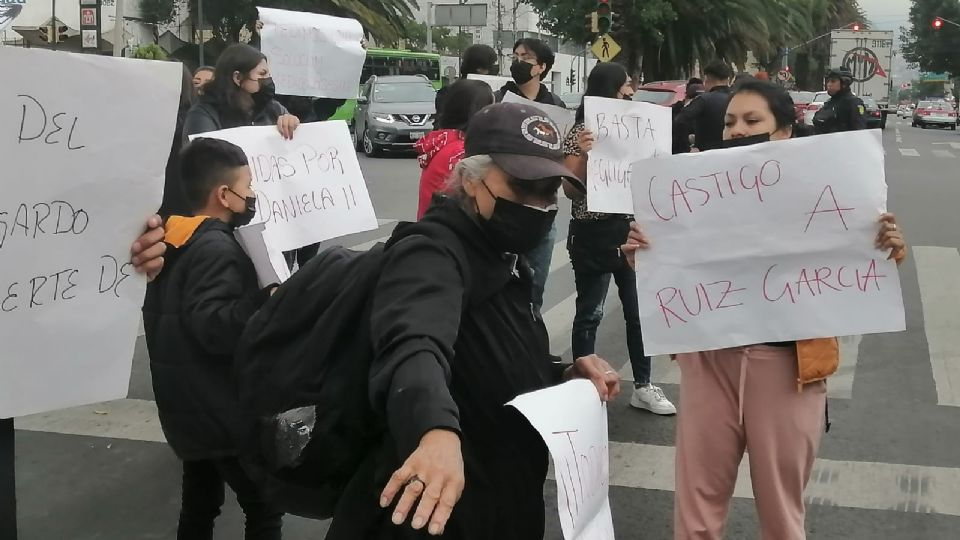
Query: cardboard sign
point(77, 193)
point(765, 243)
point(563, 117)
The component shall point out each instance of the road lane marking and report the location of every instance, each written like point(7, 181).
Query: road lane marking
point(899, 136)
point(909, 152)
point(944, 153)
point(938, 269)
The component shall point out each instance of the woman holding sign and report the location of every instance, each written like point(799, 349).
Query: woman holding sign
point(242, 93)
point(594, 246)
point(768, 399)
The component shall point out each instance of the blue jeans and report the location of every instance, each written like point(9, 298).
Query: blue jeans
point(539, 259)
point(591, 292)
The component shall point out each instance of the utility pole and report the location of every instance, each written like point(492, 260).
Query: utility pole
point(499, 39)
point(118, 30)
point(200, 20)
point(429, 26)
point(53, 22)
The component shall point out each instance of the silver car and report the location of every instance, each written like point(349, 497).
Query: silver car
point(393, 112)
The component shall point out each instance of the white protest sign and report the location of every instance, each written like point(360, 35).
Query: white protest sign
point(573, 423)
point(309, 189)
point(495, 82)
point(563, 117)
point(765, 243)
point(312, 55)
point(624, 132)
point(77, 193)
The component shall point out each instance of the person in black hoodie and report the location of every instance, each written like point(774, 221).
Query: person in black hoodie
point(704, 115)
point(241, 93)
point(193, 314)
point(450, 351)
point(173, 202)
point(532, 62)
point(478, 59)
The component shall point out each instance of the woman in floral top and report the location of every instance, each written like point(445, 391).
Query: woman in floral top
point(594, 245)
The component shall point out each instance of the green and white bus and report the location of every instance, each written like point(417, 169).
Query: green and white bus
point(382, 62)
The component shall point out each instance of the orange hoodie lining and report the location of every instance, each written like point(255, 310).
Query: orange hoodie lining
point(180, 229)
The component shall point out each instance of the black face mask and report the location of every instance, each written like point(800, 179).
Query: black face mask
point(244, 218)
point(746, 141)
point(628, 98)
point(266, 94)
point(514, 227)
point(521, 71)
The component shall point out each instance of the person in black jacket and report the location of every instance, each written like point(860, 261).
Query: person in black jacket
point(450, 352)
point(194, 313)
point(173, 202)
point(843, 111)
point(532, 62)
point(478, 59)
point(241, 93)
point(704, 116)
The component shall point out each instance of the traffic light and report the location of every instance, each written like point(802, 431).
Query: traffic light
point(592, 22)
point(44, 33)
point(604, 16)
point(61, 35)
point(856, 27)
point(787, 69)
point(937, 23)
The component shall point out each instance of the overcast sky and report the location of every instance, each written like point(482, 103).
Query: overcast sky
point(886, 14)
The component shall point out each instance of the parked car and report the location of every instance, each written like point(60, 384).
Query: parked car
point(800, 101)
point(935, 113)
point(572, 101)
point(393, 112)
point(815, 105)
point(666, 93)
point(872, 112)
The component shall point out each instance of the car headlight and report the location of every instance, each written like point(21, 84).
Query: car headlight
point(385, 118)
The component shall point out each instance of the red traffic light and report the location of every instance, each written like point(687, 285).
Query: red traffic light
point(856, 27)
point(787, 69)
point(937, 23)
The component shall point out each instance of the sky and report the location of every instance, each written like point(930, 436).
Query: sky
point(890, 15)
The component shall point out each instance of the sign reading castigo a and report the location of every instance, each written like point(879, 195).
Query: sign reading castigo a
point(766, 243)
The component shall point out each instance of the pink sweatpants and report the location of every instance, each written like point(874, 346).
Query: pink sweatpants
point(744, 399)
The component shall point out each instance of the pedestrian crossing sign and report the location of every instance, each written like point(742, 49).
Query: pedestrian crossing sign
point(605, 48)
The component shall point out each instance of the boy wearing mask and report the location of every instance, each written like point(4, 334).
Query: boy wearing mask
point(532, 62)
point(194, 314)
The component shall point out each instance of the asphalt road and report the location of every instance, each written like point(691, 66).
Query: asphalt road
point(889, 468)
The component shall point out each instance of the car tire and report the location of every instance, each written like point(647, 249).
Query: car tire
point(953, 127)
point(370, 148)
point(923, 126)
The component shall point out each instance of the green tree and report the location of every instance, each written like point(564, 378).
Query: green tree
point(151, 51)
point(931, 49)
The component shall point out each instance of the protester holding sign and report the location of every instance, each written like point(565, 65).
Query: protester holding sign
point(442, 149)
point(454, 342)
point(594, 246)
point(241, 94)
point(768, 398)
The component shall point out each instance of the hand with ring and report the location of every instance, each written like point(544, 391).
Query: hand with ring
point(433, 474)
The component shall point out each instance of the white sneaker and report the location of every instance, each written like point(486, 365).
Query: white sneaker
point(651, 398)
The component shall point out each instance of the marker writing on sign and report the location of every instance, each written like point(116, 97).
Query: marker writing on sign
point(689, 194)
point(624, 127)
point(583, 479)
point(50, 289)
point(53, 218)
point(292, 207)
point(305, 160)
point(38, 124)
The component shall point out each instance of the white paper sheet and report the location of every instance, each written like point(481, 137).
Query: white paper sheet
point(311, 54)
point(270, 264)
point(765, 243)
point(625, 132)
point(84, 169)
point(573, 423)
point(563, 117)
point(309, 189)
point(495, 82)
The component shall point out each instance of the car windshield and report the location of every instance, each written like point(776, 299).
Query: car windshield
point(822, 97)
point(802, 98)
point(869, 102)
point(413, 92)
point(936, 106)
point(658, 97)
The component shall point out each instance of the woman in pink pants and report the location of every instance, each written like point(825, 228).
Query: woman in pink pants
point(768, 399)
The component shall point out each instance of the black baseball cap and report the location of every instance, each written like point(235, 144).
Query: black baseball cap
point(522, 140)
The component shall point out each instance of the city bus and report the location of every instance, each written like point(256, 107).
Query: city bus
point(382, 62)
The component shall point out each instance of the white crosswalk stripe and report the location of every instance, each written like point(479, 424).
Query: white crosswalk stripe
point(847, 484)
point(944, 154)
point(909, 152)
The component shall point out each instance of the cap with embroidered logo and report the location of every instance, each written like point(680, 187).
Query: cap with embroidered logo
point(522, 140)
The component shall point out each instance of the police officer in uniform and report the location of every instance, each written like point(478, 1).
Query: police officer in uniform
point(844, 111)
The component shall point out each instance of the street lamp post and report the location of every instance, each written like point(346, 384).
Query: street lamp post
point(200, 22)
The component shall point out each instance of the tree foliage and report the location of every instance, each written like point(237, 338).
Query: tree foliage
point(930, 49)
point(414, 37)
point(665, 39)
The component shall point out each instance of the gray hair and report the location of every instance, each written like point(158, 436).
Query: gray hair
point(471, 169)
